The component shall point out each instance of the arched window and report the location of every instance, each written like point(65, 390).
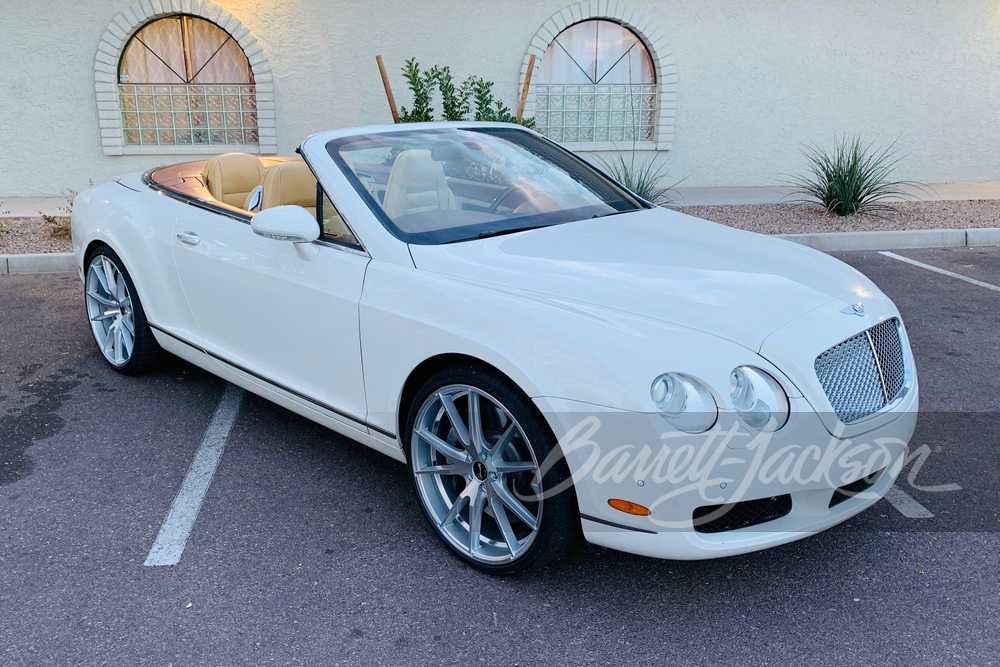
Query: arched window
point(596, 82)
point(183, 80)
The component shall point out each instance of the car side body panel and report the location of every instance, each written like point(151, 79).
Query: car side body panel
point(139, 225)
point(290, 320)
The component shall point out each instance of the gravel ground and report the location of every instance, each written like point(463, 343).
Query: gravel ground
point(29, 235)
point(808, 218)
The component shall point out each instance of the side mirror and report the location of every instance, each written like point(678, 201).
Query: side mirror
point(286, 223)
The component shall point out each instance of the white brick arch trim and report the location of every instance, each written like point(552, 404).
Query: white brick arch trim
point(638, 22)
point(109, 52)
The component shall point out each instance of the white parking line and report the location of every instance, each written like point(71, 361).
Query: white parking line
point(944, 272)
point(906, 505)
point(176, 528)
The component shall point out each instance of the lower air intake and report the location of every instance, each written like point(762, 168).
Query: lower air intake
point(848, 491)
point(721, 518)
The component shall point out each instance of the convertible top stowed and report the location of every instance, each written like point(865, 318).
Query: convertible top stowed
point(186, 181)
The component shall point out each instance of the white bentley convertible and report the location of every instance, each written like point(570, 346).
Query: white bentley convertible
point(548, 353)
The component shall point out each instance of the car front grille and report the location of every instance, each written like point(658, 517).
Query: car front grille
point(864, 373)
point(721, 518)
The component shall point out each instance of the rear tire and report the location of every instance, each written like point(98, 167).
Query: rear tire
point(476, 477)
point(117, 319)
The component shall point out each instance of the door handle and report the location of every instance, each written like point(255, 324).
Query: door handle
point(189, 238)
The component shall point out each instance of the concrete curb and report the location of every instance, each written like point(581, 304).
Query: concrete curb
point(897, 240)
point(983, 236)
point(65, 262)
point(54, 262)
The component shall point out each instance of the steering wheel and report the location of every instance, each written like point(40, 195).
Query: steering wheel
point(500, 197)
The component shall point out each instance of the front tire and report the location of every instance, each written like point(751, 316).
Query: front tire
point(117, 319)
point(475, 444)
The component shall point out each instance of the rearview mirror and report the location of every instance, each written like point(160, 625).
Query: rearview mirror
point(286, 223)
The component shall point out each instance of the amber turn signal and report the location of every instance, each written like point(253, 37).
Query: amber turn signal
point(629, 507)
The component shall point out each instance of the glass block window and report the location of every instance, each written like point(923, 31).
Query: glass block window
point(185, 81)
point(596, 83)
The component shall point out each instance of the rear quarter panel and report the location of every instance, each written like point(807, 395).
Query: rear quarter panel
point(137, 224)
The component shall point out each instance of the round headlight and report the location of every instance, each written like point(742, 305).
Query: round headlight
point(758, 399)
point(684, 402)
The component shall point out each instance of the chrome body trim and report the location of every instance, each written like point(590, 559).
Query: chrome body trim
point(278, 385)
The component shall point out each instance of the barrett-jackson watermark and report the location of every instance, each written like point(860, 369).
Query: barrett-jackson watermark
point(728, 465)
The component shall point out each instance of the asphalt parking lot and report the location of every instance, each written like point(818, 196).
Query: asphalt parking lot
point(311, 549)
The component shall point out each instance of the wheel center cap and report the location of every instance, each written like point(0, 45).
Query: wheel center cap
point(479, 470)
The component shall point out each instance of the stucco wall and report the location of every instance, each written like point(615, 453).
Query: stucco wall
point(756, 80)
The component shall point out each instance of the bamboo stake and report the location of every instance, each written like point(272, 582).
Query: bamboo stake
point(524, 90)
point(388, 89)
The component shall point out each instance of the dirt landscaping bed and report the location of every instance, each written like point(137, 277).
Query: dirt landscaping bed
point(32, 235)
point(812, 218)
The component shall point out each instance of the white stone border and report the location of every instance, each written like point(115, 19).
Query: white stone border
point(30, 264)
point(109, 52)
point(652, 36)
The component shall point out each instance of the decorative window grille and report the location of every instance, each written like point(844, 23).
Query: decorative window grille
point(596, 83)
point(188, 114)
point(185, 81)
point(585, 113)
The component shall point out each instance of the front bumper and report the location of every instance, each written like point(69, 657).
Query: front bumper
point(638, 458)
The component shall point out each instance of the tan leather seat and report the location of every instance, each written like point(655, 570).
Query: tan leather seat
point(292, 183)
point(289, 183)
point(416, 184)
point(231, 176)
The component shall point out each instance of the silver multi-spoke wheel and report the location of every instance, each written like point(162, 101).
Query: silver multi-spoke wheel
point(109, 306)
point(476, 474)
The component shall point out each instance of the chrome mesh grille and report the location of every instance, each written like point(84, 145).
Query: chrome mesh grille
point(889, 353)
point(864, 373)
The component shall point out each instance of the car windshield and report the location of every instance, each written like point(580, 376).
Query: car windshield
point(444, 185)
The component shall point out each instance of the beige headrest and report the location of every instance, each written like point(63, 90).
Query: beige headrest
point(416, 184)
point(231, 176)
point(290, 183)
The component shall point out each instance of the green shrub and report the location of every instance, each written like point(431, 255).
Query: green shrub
point(490, 109)
point(643, 176)
point(457, 102)
point(853, 177)
point(454, 101)
point(421, 84)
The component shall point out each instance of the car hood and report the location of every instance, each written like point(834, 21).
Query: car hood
point(660, 264)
